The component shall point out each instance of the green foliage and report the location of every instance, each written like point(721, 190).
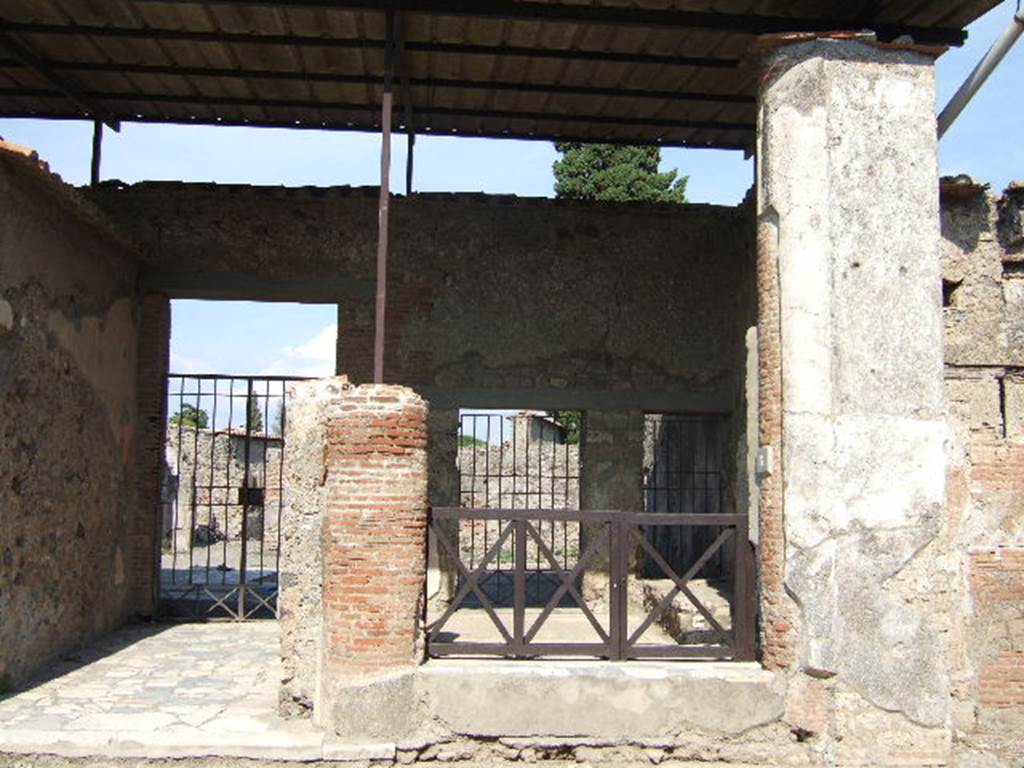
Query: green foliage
point(6, 685)
point(467, 441)
point(190, 416)
point(571, 422)
point(278, 427)
point(611, 173)
point(254, 415)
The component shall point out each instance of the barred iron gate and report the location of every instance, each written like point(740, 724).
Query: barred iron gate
point(521, 461)
point(684, 474)
point(222, 494)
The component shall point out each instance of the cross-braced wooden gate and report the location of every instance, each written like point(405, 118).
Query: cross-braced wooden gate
point(611, 553)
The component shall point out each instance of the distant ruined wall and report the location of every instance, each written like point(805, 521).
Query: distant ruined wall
point(983, 281)
point(203, 476)
point(69, 425)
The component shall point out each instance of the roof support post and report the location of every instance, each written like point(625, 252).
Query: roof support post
point(97, 151)
point(406, 86)
point(383, 207)
point(409, 158)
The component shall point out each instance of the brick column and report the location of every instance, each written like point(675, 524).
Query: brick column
point(154, 344)
point(374, 535)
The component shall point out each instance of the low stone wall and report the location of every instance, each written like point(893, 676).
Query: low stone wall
point(75, 538)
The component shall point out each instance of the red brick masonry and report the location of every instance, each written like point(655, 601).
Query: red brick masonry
point(374, 534)
point(997, 580)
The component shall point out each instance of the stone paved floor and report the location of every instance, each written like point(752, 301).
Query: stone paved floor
point(164, 690)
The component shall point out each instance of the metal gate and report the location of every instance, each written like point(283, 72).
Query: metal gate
point(684, 474)
point(525, 460)
point(607, 631)
point(222, 495)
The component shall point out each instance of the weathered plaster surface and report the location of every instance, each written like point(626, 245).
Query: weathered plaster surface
point(68, 338)
point(300, 596)
point(847, 148)
point(481, 289)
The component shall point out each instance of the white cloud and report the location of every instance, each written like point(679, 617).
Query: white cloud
point(321, 348)
point(314, 357)
point(184, 364)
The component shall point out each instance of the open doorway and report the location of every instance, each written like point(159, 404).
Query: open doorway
point(223, 488)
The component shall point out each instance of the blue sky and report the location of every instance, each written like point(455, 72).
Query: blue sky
point(287, 338)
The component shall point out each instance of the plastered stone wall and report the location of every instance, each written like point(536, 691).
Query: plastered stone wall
point(481, 288)
point(982, 250)
point(71, 534)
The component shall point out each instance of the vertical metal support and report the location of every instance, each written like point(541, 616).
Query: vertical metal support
point(743, 609)
point(410, 154)
point(618, 567)
point(402, 73)
point(383, 212)
point(97, 151)
point(519, 598)
point(242, 561)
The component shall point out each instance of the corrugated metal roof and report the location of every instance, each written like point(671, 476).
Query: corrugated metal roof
point(640, 71)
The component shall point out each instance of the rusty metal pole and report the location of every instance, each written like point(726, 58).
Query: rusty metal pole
point(409, 158)
point(383, 208)
point(97, 151)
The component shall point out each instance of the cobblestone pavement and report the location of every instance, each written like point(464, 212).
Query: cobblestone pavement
point(162, 690)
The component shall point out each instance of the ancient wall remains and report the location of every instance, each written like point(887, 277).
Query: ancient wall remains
point(204, 470)
point(983, 288)
point(482, 289)
point(69, 426)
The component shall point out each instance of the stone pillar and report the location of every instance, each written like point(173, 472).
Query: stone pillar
point(374, 556)
point(852, 419)
point(300, 580)
point(442, 491)
point(146, 525)
point(611, 478)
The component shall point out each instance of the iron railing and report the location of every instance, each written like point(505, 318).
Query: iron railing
point(615, 545)
point(517, 461)
point(222, 495)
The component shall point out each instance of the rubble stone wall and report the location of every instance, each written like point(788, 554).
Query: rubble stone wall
point(69, 425)
point(983, 286)
point(204, 473)
point(482, 289)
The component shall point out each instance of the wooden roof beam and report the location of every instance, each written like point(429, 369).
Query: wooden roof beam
point(529, 10)
point(66, 87)
point(425, 82)
point(416, 46)
point(500, 114)
point(629, 140)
